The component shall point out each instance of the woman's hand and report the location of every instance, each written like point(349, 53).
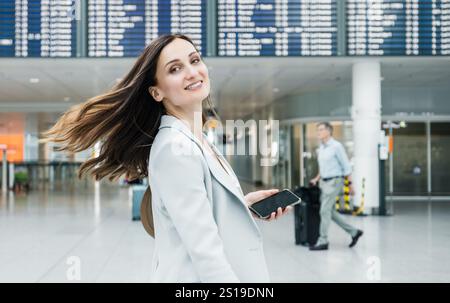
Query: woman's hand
point(255, 196)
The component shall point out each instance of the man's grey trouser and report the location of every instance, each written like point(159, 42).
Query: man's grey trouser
point(330, 189)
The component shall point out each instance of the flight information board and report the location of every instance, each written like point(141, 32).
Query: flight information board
point(122, 28)
point(406, 27)
point(37, 28)
point(277, 27)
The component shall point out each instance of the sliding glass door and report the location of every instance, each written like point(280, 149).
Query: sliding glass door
point(440, 159)
point(410, 160)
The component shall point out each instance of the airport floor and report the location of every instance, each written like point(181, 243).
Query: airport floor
point(45, 233)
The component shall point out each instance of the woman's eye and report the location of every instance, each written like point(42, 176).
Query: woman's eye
point(177, 68)
point(174, 69)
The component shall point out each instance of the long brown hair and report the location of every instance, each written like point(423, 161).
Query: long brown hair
point(125, 119)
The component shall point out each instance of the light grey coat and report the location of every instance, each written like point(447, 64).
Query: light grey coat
point(204, 231)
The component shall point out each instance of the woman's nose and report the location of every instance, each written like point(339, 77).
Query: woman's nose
point(191, 72)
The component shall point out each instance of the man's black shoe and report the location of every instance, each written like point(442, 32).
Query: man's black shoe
point(355, 238)
point(319, 247)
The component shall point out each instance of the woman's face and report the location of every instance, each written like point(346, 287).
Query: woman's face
point(182, 77)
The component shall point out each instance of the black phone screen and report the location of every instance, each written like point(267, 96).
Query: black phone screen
point(270, 204)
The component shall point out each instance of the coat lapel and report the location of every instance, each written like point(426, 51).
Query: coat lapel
point(216, 170)
point(223, 177)
point(230, 169)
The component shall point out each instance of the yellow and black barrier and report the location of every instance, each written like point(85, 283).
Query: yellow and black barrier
point(359, 211)
point(346, 196)
point(347, 209)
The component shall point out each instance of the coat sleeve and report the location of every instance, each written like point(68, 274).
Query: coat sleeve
point(178, 175)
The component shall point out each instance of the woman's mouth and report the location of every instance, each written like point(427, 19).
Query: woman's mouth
point(194, 86)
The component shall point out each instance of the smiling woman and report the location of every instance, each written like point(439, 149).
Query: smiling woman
point(203, 229)
point(125, 119)
point(182, 79)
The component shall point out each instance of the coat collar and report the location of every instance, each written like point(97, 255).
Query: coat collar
point(231, 183)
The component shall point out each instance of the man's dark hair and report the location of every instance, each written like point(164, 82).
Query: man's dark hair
point(327, 126)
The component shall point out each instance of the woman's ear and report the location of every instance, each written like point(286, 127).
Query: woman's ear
point(154, 92)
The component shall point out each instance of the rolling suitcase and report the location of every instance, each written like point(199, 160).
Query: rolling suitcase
point(307, 216)
point(137, 192)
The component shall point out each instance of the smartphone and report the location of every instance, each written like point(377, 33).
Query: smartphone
point(265, 207)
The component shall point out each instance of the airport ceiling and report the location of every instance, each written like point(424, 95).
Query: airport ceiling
point(239, 85)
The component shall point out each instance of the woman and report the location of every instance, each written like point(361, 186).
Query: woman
point(204, 231)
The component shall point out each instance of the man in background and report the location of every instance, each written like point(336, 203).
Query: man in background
point(333, 167)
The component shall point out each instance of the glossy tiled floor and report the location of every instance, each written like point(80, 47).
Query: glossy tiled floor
point(43, 233)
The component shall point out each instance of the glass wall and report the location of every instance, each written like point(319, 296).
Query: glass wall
point(410, 160)
point(440, 159)
point(280, 171)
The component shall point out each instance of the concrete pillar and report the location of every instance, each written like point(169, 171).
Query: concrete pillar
point(43, 149)
point(11, 176)
point(366, 116)
point(4, 170)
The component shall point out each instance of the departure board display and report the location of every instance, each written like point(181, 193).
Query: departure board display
point(277, 27)
point(37, 28)
point(122, 28)
point(407, 27)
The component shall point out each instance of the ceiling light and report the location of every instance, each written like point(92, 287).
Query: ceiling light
point(34, 80)
point(276, 90)
point(66, 99)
